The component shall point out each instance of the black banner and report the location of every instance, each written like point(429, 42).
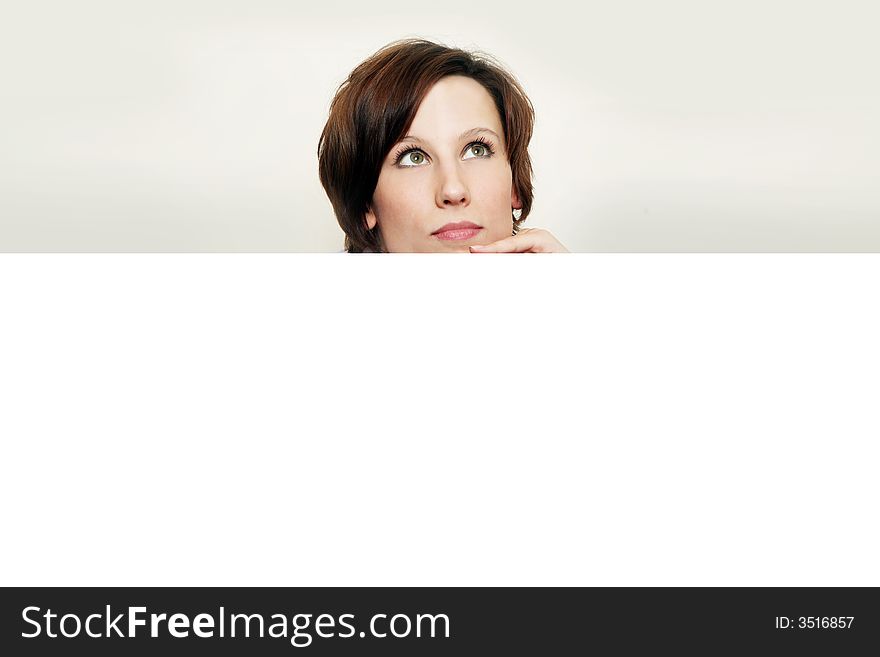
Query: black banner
point(439, 621)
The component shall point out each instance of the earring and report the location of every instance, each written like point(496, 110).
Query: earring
point(517, 213)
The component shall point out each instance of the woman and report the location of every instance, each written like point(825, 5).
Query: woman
point(426, 149)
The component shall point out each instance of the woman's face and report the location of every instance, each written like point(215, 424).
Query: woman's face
point(447, 184)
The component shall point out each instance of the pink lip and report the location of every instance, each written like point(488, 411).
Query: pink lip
point(462, 230)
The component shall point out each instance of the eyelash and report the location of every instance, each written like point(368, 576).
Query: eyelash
point(479, 140)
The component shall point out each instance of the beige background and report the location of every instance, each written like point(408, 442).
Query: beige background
point(678, 126)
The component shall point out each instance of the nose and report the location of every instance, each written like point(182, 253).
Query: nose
point(452, 189)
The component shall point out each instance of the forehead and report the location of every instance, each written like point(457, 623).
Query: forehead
point(454, 104)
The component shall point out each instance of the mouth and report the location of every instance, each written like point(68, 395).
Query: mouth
point(462, 230)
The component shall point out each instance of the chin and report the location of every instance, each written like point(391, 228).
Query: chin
point(456, 246)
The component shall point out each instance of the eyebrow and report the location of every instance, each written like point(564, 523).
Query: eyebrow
point(463, 135)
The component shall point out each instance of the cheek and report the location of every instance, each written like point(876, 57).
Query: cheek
point(496, 198)
point(495, 187)
point(398, 204)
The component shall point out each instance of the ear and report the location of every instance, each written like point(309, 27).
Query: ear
point(370, 218)
point(515, 202)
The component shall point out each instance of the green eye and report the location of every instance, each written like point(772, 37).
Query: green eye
point(478, 149)
point(411, 158)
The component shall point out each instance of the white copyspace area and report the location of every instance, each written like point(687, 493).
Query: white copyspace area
point(395, 420)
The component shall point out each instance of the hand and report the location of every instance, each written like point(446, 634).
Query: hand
point(527, 240)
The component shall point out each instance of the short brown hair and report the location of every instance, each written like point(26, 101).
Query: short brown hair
point(374, 108)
